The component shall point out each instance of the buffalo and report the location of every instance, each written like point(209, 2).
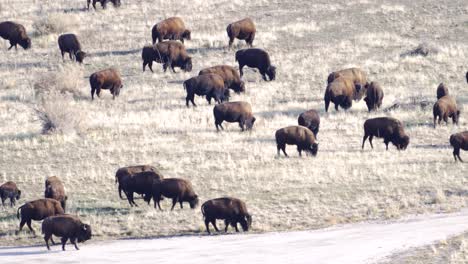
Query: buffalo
point(234, 112)
point(256, 58)
point(374, 96)
point(9, 190)
point(69, 43)
point(38, 210)
point(300, 136)
point(54, 189)
point(15, 33)
point(125, 173)
point(356, 75)
point(459, 141)
point(341, 92)
point(66, 227)
point(390, 129)
point(444, 108)
point(116, 3)
point(242, 29)
point(209, 85)
point(172, 28)
point(140, 183)
point(442, 91)
point(311, 120)
point(231, 210)
point(105, 79)
point(230, 76)
point(169, 53)
point(179, 190)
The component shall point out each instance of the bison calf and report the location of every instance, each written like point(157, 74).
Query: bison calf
point(38, 210)
point(105, 79)
point(231, 210)
point(390, 129)
point(256, 58)
point(234, 112)
point(242, 29)
point(209, 85)
point(444, 108)
point(459, 141)
point(179, 190)
point(15, 33)
point(66, 227)
point(311, 120)
point(374, 96)
point(54, 189)
point(9, 190)
point(300, 136)
point(230, 76)
point(116, 3)
point(69, 43)
point(172, 28)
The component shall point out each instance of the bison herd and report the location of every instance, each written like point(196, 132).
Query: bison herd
point(343, 87)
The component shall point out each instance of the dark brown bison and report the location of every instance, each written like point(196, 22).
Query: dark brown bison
point(374, 96)
point(311, 120)
point(242, 29)
point(123, 174)
point(54, 189)
point(172, 28)
point(105, 79)
point(230, 76)
point(169, 53)
point(38, 210)
point(300, 136)
point(390, 129)
point(231, 210)
point(69, 43)
point(209, 85)
point(116, 3)
point(179, 190)
point(459, 141)
point(66, 227)
point(444, 108)
point(15, 33)
point(356, 75)
point(341, 92)
point(234, 112)
point(9, 190)
point(140, 183)
point(256, 58)
point(442, 91)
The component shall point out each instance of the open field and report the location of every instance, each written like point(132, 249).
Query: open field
point(149, 123)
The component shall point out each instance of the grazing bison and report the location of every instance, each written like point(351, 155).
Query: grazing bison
point(9, 190)
point(105, 79)
point(300, 136)
point(444, 108)
point(169, 53)
point(54, 189)
point(442, 91)
point(256, 58)
point(311, 120)
point(179, 190)
point(340, 92)
point(231, 210)
point(140, 183)
point(242, 29)
point(123, 174)
point(69, 43)
point(66, 227)
point(116, 3)
point(390, 129)
point(211, 85)
point(459, 141)
point(38, 210)
point(230, 76)
point(374, 96)
point(15, 33)
point(356, 75)
point(234, 112)
point(172, 28)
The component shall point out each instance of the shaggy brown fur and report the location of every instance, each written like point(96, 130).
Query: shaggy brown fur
point(230, 76)
point(256, 58)
point(356, 75)
point(374, 96)
point(66, 227)
point(16, 34)
point(123, 174)
point(390, 129)
point(300, 136)
point(179, 190)
point(140, 183)
point(242, 29)
point(209, 85)
point(234, 112)
point(444, 108)
point(38, 210)
point(311, 120)
point(231, 210)
point(169, 53)
point(69, 43)
point(105, 79)
point(340, 92)
point(459, 141)
point(172, 28)
point(442, 91)
point(54, 189)
point(9, 190)
point(116, 3)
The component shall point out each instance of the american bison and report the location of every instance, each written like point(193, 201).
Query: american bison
point(374, 96)
point(234, 112)
point(444, 108)
point(356, 75)
point(15, 33)
point(256, 58)
point(124, 173)
point(242, 29)
point(459, 141)
point(390, 129)
point(105, 79)
point(300, 136)
point(442, 91)
point(231, 210)
point(311, 120)
point(179, 190)
point(69, 43)
point(66, 227)
point(230, 76)
point(116, 3)
point(140, 183)
point(341, 92)
point(9, 190)
point(38, 210)
point(209, 85)
point(169, 53)
point(54, 189)
point(172, 28)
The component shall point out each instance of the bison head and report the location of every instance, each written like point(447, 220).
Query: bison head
point(187, 66)
point(246, 222)
point(80, 55)
point(116, 3)
point(194, 202)
point(313, 149)
point(271, 72)
point(240, 87)
point(25, 43)
point(250, 122)
point(455, 117)
point(18, 195)
point(226, 95)
point(403, 142)
point(84, 233)
point(187, 35)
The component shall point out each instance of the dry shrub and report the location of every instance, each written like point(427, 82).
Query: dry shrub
point(56, 23)
point(67, 79)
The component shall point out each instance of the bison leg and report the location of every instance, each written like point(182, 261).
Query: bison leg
point(213, 222)
point(386, 143)
point(63, 55)
point(435, 118)
point(174, 202)
point(3, 200)
point(70, 54)
point(130, 199)
point(46, 238)
point(235, 226)
point(29, 226)
point(231, 40)
point(73, 241)
point(181, 206)
point(218, 124)
point(173, 67)
point(207, 225)
point(250, 39)
point(240, 69)
point(299, 150)
point(150, 66)
point(92, 93)
point(456, 153)
point(226, 222)
point(22, 223)
point(336, 107)
point(52, 240)
point(370, 141)
point(242, 124)
point(64, 241)
point(284, 150)
point(12, 201)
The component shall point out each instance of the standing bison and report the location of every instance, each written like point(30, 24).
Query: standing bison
point(442, 91)
point(459, 141)
point(116, 3)
point(231, 210)
point(15, 33)
point(256, 58)
point(444, 108)
point(172, 28)
point(209, 85)
point(356, 75)
point(69, 43)
point(140, 183)
point(242, 29)
point(341, 92)
point(169, 53)
point(9, 190)
point(179, 190)
point(38, 210)
point(66, 227)
point(311, 120)
point(300, 136)
point(105, 79)
point(234, 112)
point(230, 76)
point(374, 96)
point(54, 189)
point(125, 173)
point(390, 129)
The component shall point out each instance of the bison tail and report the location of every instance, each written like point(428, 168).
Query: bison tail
point(228, 30)
point(327, 101)
point(18, 212)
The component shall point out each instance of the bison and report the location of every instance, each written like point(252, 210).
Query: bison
point(124, 173)
point(105, 79)
point(311, 120)
point(54, 189)
point(444, 108)
point(300, 136)
point(230, 76)
point(256, 58)
point(242, 29)
point(69, 43)
point(179, 190)
point(356, 75)
point(38, 210)
point(442, 91)
point(140, 183)
point(16, 34)
point(341, 92)
point(9, 190)
point(231, 210)
point(116, 3)
point(66, 227)
point(211, 85)
point(234, 112)
point(390, 129)
point(169, 53)
point(459, 141)
point(374, 96)
point(172, 28)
